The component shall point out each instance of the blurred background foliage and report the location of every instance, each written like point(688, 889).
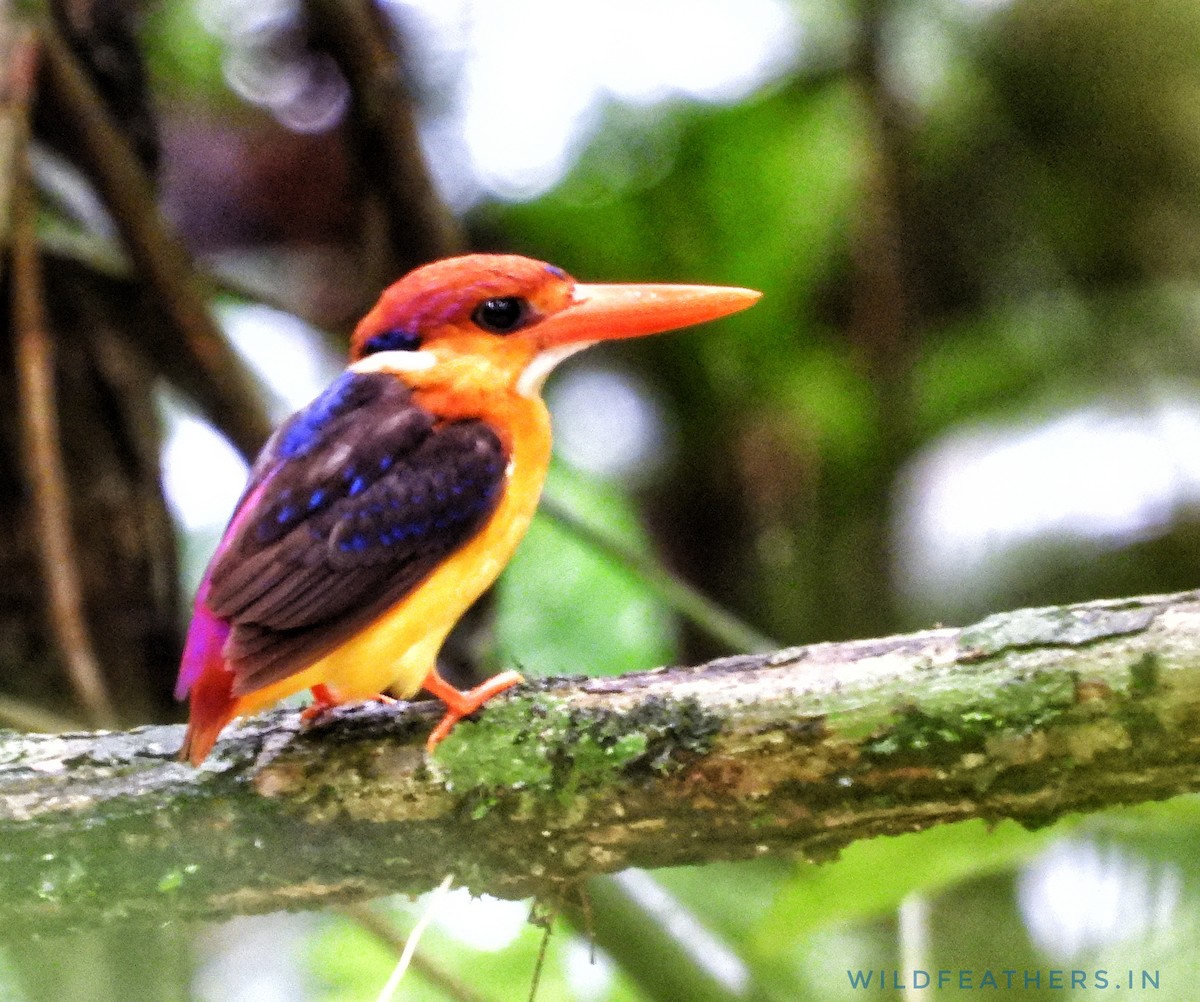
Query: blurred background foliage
point(971, 385)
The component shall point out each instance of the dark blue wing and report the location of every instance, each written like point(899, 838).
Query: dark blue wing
point(353, 502)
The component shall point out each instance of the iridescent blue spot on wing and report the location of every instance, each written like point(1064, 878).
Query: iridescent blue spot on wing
point(555, 271)
point(354, 544)
point(308, 428)
point(367, 493)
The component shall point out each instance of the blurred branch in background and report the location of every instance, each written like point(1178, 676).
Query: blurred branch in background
point(45, 467)
point(663, 948)
point(716, 622)
point(191, 349)
point(418, 225)
point(884, 320)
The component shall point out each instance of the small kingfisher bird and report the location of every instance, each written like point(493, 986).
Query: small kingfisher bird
point(375, 516)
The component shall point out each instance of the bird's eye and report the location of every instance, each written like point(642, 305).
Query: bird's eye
point(396, 339)
point(501, 315)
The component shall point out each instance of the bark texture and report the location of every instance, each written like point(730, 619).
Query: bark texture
point(1026, 715)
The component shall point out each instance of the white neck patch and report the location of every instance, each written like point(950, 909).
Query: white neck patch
point(396, 361)
point(534, 376)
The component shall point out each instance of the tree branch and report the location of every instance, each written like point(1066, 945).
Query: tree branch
point(419, 225)
point(1027, 715)
point(192, 352)
point(44, 466)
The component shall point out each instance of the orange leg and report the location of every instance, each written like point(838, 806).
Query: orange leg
point(462, 704)
point(324, 699)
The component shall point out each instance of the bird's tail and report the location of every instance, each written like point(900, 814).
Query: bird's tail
point(204, 676)
point(212, 707)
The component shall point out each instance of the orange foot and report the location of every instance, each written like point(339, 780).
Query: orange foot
point(461, 704)
point(324, 699)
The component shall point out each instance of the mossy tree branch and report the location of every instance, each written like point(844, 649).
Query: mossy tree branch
point(1027, 715)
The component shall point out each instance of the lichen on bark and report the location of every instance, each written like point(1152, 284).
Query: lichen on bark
point(1029, 716)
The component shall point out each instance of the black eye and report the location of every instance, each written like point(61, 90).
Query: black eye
point(394, 340)
point(501, 315)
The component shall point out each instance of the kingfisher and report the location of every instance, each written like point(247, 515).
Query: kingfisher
point(375, 516)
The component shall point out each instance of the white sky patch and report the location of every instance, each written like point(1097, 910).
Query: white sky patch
point(203, 475)
point(535, 75)
point(517, 88)
point(1113, 476)
point(1078, 897)
point(485, 923)
point(284, 352)
point(711, 50)
point(606, 422)
point(982, 7)
point(589, 971)
point(254, 959)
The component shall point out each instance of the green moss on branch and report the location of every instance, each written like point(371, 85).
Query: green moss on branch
point(1029, 716)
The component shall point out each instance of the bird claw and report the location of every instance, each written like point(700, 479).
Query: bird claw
point(325, 699)
point(461, 704)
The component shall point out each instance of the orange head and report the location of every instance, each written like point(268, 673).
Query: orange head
point(499, 321)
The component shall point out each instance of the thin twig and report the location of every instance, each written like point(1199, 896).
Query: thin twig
point(16, 47)
point(885, 320)
point(371, 921)
point(197, 357)
point(45, 469)
point(410, 946)
point(712, 619)
point(546, 921)
point(912, 922)
point(589, 921)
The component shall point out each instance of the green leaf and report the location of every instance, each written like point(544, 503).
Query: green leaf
point(562, 607)
point(350, 964)
point(184, 57)
point(874, 876)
